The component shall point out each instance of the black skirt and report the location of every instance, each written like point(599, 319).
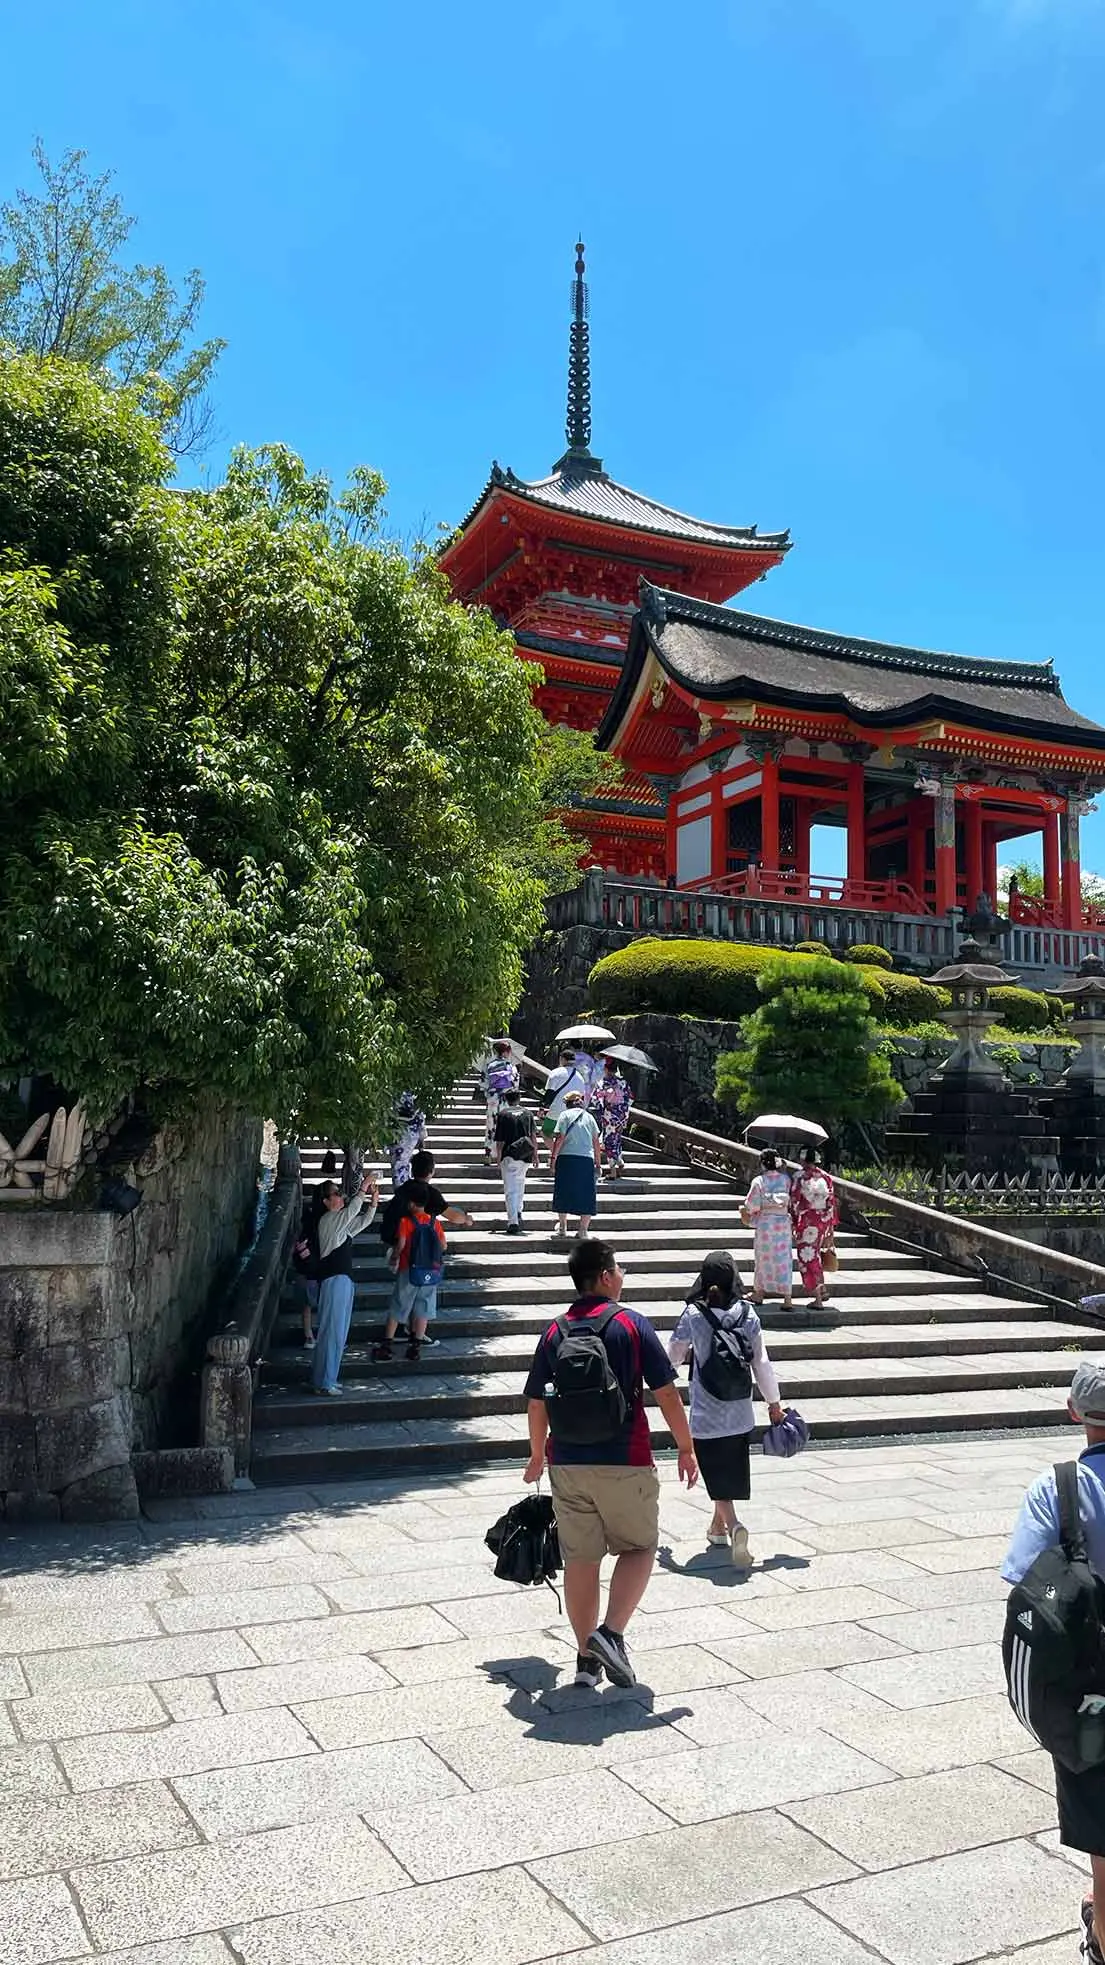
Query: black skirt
point(1081, 1801)
point(724, 1466)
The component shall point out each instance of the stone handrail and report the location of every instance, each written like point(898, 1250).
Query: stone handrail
point(966, 1240)
point(234, 1348)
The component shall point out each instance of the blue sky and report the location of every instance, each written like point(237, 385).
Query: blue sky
point(847, 263)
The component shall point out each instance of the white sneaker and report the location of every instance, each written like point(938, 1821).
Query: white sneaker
point(738, 1544)
point(720, 1540)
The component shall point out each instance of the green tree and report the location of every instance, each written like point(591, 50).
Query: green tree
point(1030, 881)
point(811, 1048)
point(67, 288)
point(273, 825)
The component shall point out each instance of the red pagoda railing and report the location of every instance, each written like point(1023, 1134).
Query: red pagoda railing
point(818, 890)
point(1034, 911)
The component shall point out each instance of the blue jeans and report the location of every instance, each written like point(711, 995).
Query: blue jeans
point(335, 1314)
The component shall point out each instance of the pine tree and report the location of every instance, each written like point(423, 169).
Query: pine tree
point(811, 1048)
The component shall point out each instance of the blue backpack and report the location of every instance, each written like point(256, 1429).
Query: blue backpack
point(427, 1258)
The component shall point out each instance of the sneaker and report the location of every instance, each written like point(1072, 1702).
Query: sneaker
point(513, 1228)
point(414, 1351)
point(430, 1339)
point(608, 1647)
point(739, 1549)
point(1089, 1947)
point(382, 1354)
point(588, 1672)
point(329, 1391)
point(308, 1344)
point(718, 1541)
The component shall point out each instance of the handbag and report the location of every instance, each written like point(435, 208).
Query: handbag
point(788, 1437)
point(830, 1261)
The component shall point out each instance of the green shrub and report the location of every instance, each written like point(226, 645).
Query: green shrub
point(906, 1000)
point(870, 954)
point(1021, 1009)
point(684, 978)
point(811, 948)
point(1059, 1009)
point(811, 1047)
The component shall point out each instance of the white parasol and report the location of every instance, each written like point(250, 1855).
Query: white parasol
point(585, 1033)
point(784, 1125)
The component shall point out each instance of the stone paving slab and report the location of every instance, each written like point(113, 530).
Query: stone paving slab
point(308, 1725)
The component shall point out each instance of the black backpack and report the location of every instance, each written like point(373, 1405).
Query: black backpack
point(1054, 1642)
point(521, 1146)
point(525, 1543)
point(727, 1371)
point(586, 1404)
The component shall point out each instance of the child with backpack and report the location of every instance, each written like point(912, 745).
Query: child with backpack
point(418, 1258)
point(722, 1337)
point(1054, 1644)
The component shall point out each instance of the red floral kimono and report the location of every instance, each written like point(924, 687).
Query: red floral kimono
point(813, 1211)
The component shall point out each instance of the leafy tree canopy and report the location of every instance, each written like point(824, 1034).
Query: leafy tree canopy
point(68, 288)
point(811, 1048)
point(273, 809)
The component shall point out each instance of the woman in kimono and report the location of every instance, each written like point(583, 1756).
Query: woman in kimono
point(410, 1138)
point(767, 1207)
point(610, 1103)
point(499, 1076)
point(814, 1213)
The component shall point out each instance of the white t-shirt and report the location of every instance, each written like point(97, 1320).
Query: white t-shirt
point(566, 1078)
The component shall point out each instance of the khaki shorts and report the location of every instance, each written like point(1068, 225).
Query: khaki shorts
point(605, 1510)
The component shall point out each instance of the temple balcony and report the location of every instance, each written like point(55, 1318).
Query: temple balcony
point(837, 912)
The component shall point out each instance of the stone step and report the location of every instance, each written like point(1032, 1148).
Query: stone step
point(496, 1286)
point(970, 1306)
point(341, 1451)
point(398, 1398)
point(289, 1364)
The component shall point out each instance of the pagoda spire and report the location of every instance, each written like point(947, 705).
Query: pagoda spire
point(578, 456)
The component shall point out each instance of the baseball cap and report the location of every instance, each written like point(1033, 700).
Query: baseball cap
point(1087, 1390)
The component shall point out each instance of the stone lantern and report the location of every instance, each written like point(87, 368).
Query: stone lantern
point(970, 979)
point(968, 1115)
point(1086, 994)
point(1077, 1105)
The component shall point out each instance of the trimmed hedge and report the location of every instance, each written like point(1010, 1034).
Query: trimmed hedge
point(1021, 1009)
point(810, 948)
point(684, 978)
point(718, 979)
point(871, 954)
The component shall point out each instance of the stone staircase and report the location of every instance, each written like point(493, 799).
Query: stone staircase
point(905, 1349)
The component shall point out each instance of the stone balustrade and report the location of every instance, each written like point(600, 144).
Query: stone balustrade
point(237, 1344)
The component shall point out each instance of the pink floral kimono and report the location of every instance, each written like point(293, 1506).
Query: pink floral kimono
point(768, 1207)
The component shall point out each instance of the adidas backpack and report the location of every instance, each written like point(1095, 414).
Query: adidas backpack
point(585, 1402)
point(426, 1263)
point(727, 1372)
point(1054, 1642)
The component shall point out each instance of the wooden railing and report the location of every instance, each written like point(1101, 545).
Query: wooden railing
point(815, 890)
point(920, 939)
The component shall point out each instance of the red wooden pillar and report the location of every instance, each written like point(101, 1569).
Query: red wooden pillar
point(671, 855)
point(802, 814)
point(769, 815)
point(1052, 875)
point(947, 895)
point(857, 825)
point(719, 830)
point(1071, 856)
point(972, 851)
point(990, 861)
point(918, 833)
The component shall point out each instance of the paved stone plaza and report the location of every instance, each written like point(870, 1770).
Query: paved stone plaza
point(310, 1728)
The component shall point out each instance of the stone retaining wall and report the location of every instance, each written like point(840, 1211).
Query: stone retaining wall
point(102, 1316)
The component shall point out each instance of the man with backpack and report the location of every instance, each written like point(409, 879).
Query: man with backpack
point(516, 1147)
point(1054, 1646)
point(721, 1337)
point(587, 1418)
point(418, 1194)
